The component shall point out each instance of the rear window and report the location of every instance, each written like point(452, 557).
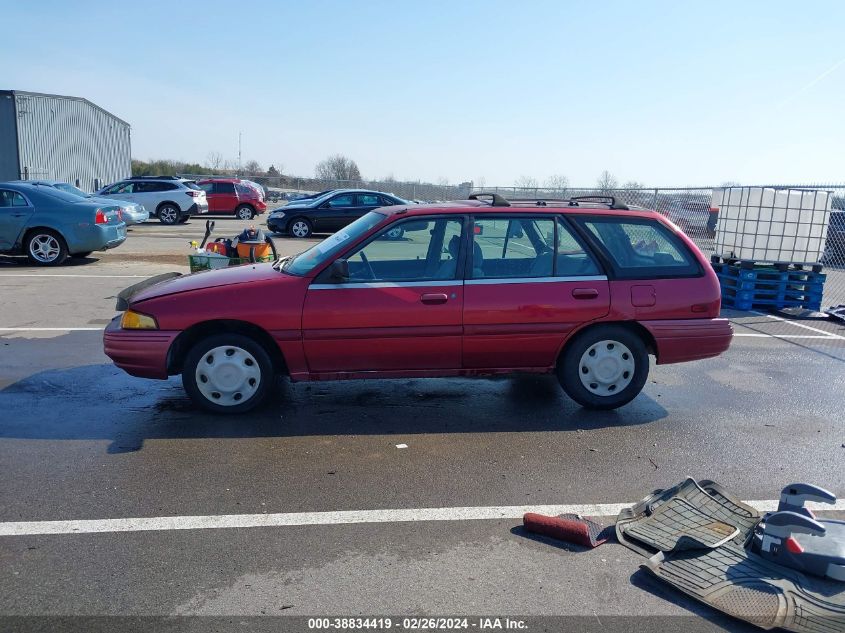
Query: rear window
point(641, 248)
point(190, 184)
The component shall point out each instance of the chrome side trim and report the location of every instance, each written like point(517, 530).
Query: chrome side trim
point(534, 280)
point(389, 284)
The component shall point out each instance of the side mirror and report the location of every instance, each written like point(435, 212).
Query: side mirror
point(339, 270)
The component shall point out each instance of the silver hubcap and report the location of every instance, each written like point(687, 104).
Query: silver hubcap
point(44, 248)
point(228, 375)
point(606, 368)
point(299, 229)
point(245, 214)
point(168, 214)
point(394, 233)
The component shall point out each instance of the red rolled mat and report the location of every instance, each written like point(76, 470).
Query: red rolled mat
point(569, 528)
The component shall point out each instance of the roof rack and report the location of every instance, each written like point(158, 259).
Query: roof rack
point(575, 201)
point(496, 199)
point(155, 178)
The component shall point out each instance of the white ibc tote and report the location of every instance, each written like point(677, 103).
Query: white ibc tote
point(761, 224)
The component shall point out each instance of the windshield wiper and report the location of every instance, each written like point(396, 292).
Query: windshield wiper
point(279, 262)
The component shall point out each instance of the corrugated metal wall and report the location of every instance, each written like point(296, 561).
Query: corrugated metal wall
point(8, 138)
point(69, 139)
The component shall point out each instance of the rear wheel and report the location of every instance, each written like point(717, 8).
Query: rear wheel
point(604, 367)
point(168, 214)
point(227, 373)
point(300, 227)
point(245, 212)
point(46, 248)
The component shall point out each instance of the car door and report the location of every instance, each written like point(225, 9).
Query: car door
point(530, 282)
point(210, 196)
point(147, 195)
point(333, 213)
point(121, 191)
point(15, 212)
point(223, 199)
point(399, 309)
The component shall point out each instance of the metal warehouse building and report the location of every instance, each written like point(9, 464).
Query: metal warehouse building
point(61, 138)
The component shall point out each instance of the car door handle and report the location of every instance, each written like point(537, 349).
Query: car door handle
point(434, 298)
point(585, 293)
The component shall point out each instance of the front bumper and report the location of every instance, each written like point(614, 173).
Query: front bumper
point(141, 353)
point(198, 208)
point(682, 340)
point(277, 225)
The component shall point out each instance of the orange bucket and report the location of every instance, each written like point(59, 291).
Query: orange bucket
point(261, 249)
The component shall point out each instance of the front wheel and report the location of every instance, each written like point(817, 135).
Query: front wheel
point(244, 212)
point(300, 227)
point(227, 373)
point(46, 248)
point(604, 367)
point(82, 255)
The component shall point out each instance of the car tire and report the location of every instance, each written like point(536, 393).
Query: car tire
point(244, 212)
point(168, 213)
point(81, 255)
point(396, 233)
point(300, 227)
point(604, 367)
point(45, 247)
point(227, 373)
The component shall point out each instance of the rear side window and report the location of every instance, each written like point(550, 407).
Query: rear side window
point(641, 248)
point(223, 187)
point(245, 191)
point(11, 199)
point(190, 184)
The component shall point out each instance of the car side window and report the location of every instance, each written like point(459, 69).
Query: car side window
point(12, 199)
point(642, 247)
point(506, 247)
point(369, 200)
point(346, 200)
point(125, 187)
point(427, 250)
point(571, 259)
point(224, 187)
point(208, 187)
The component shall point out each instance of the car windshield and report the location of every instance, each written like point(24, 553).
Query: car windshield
point(306, 261)
point(63, 186)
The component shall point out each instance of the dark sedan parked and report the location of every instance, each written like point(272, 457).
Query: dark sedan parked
point(328, 213)
point(48, 225)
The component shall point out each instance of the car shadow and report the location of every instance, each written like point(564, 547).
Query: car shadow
point(14, 262)
point(102, 402)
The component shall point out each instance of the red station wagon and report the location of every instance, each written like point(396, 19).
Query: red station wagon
point(586, 290)
point(232, 196)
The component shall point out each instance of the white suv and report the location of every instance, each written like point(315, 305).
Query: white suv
point(171, 199)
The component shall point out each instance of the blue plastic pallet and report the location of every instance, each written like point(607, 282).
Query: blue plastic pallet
point(750, 284)
point(769, 274)
point(764, 304)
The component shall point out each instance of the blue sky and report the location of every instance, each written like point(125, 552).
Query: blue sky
point(665, 93)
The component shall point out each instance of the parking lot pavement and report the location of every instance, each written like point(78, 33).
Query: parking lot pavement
point(80, 440)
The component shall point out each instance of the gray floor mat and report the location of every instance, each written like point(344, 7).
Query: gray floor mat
point(679, 525)
point(707, 497)
point(747, 587)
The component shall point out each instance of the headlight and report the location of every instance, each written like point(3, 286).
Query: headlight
point(277, 214)
point(136, 321)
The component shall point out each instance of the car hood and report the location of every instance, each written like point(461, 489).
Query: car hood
point(208, 279)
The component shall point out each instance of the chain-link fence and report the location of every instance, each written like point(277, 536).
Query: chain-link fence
point(688, 207)
point(693, 210)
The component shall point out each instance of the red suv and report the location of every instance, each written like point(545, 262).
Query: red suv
point(242, 198)
point(586, 291)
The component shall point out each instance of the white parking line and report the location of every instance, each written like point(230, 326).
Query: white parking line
point(52, 329)
point(34, 275)
point(343, 517)
point(801, 325)
point(787, 336)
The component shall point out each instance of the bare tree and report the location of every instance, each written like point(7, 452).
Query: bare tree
point(214, 160)
point(606, 182)
point(525, 182)
point(480, 182)
point(558, 182)
point(443, 182)
point(337, 167)
point(633, 185)
point(253, 168)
